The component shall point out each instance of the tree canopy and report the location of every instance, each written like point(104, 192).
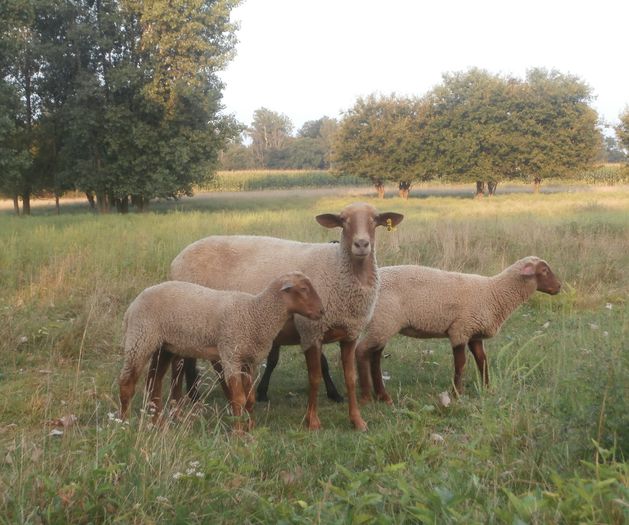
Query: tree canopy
point(117, 98)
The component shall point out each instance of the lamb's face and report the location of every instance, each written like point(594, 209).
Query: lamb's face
point(300, 297)
point(359, 222)
point(546, 280)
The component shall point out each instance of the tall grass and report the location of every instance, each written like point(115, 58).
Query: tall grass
point(545, 444)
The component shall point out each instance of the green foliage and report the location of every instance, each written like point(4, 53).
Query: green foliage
point(276, 180)
point(379, 139)
point(118, 98)
point(622, 131)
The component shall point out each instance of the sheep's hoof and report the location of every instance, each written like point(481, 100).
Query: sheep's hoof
point(314, 424)
point(364, 400)
point(336, 397)
point(360, 424)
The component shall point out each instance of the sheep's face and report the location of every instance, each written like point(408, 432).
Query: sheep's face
point(546, 280)
point(359, 222)
point(300, 297)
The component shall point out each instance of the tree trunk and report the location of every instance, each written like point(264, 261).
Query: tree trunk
point(122, 204)
point(403, 189)
point(102, 202)
point(26, 203)
point(379, 188)
point(16, 205)
point(491, 188)
point(480, 189)
point(90, 200)
point(537, 181)
point(57, 207)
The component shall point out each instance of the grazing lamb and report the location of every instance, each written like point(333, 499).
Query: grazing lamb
point(190, 320)
point(425, 302)
point(345, 276)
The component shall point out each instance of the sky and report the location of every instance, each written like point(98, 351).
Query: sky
point(307, 59)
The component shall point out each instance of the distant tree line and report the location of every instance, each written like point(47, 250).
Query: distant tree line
point(476, 127)
point(116, 98)
point(271, 144)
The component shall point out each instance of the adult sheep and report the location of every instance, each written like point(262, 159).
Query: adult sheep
point(422, 302)
point(344, 274)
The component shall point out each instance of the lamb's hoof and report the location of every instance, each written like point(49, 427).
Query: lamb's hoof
point(336, 397)
point(360, 424)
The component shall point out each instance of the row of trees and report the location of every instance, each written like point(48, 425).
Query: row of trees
point(474, 126)
point(116, 98)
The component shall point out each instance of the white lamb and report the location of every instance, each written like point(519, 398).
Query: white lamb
point(235, 328)
point(422, 302)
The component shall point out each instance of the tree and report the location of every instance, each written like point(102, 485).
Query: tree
point(269, 131)
point(622, 131)
point(380, 138)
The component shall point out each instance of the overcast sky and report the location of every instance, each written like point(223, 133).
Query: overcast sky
point(308, 58)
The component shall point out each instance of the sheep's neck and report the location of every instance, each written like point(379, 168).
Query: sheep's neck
point(275, 314)
point(365, 269)
point(507, 295)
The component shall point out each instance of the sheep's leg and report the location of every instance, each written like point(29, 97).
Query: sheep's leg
point(271, 362)
point(155, 379)
point(313, 362)
point(237, 399)
point(128, 380)
point(192, 378)
point(348, 356)
point(330, 388)
point(363, 360)
point(478, 351)
point(176, 381)
point(459, 364)
point(250, 392)
point(218, 368)
point(376, 376)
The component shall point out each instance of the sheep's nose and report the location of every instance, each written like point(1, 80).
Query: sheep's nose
point(361, 244)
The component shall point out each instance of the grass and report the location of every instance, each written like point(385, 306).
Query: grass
point(250, 180)
point(546, 444)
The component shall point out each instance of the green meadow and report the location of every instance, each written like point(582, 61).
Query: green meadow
point(546, 443)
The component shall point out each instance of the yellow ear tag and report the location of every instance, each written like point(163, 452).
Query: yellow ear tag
point(390, 227)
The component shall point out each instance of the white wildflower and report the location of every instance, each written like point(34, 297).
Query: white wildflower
point(444, 399)
point(437, 439)
point(593, 326)
point(386, 376)
point(177, 475)
point(546, 325)
point(609, 306)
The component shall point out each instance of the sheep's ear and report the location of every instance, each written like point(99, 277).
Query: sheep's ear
point(528, 270)
point(383, 218)
point(329, 220)
point(286, 286)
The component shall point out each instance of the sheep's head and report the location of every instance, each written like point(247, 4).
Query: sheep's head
point(299, 296)
point(359, 221)
point(545, 279)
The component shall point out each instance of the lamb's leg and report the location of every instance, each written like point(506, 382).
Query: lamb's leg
point(459, 364)
point(237, 399)
point(271, 363)
point(192, 378)
point(218, 368)
point(313, 362)
point(250, 392)
point(376, 376)
point(155, 379)
point(330, 388)
point(348, 356)
point(363, 360)
point(478, 351)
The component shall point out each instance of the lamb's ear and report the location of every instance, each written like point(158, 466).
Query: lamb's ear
point(287, 285)
point(329, 220)
point(528, 270)
point(382, 218)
